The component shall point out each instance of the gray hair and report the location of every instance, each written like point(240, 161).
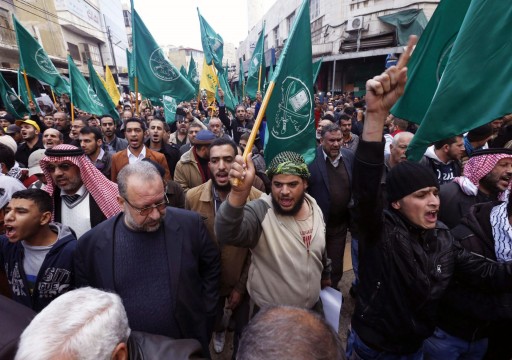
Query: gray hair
point(400, 135)
point(142, 169)
point(82, 324)
point(286, 332)
point(329, 129)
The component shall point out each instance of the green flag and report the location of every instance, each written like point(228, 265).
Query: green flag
point(23, 92)
point(101, 92)
point(13, 105)
point(193, 74)
point(429, 59)
point(35, 61)
point(183, 72)
point(475, 87)
point(156, 75)
point(213, 45)
point(131, 70)
point(82, 94)
point(241, 80)
point(290, 118)
point(170, 106)
point(257, 68)
point(229, 99)
point(316, 69)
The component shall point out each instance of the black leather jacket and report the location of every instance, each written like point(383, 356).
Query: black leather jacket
point(404, 271)
point(467, 312)
point(145, 346)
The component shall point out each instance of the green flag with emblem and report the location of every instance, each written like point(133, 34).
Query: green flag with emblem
point(156, 75)
point(213, 45)
point(102, 92)
point(35, 61)
point(475, 87)
point(193, 74)
point(13, 105)
point(170, 106)
point(429, 59)
point(290, 118)
point(257, 68)
point(82, 93)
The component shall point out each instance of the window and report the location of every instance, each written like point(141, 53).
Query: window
point(316, 30)
point(289, 21)
point(127, 18)
point(74, 51)
point(265, 43)
point(92, 52)
point(276, 36)
point(314, 9)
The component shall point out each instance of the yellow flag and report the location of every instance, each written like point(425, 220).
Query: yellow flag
point(209, 82)
point(111, 86)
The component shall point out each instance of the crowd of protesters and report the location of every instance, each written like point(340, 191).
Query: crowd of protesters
point(132, 227)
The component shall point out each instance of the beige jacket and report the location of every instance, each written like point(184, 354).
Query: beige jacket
point(234, 260)
point(282, 270)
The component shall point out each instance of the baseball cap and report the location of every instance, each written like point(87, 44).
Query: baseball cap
point(33, 162)
point(12, 129)
point(204, 137)
point(29, 122)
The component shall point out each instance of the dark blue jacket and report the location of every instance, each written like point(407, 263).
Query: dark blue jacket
point(194, 267)
point(55, 277)
point(318, 185)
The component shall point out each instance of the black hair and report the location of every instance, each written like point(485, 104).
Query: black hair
point(40, 197)
point(86, 130)
point(452, 140)
point(7, 156)
point(137, 120)
point(223, 141)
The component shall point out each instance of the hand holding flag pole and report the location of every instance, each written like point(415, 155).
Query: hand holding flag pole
point(256, 127)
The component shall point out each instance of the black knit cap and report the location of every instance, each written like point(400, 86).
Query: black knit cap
point(408, 177)
point(64, 152)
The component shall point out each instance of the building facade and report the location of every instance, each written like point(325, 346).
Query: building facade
point(352, 37)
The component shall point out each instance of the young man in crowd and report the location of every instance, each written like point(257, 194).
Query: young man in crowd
point(36, 254)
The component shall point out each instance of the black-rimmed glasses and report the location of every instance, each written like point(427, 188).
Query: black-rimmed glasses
point(145, 211)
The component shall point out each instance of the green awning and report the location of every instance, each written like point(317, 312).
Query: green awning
point(407, 22)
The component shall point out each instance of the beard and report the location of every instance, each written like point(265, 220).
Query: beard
point(144, 227)
point(222, 188)
point(293, 211)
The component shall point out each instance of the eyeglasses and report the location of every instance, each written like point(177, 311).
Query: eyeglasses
point(63, 167)
point(145, 211)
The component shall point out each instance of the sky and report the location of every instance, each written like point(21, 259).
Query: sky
point(175, 22)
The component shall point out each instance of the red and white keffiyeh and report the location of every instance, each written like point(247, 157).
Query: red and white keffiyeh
point(476, 168)
point(103, 191)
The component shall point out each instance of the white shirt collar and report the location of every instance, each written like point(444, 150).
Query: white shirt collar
point(334, 162)
point(132, 158)
point(80, 191)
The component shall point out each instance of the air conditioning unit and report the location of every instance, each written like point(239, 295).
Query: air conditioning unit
point(355, 23)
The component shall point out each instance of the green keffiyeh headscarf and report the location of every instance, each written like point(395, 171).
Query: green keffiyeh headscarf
point(288, 163)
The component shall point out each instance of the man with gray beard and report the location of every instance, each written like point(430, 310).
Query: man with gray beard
point(159, 260)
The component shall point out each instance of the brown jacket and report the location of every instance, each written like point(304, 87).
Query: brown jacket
point(187, 172)
point(120, 160)
point(235, 261)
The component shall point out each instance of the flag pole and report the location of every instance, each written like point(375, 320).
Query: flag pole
point(28, 87)
point(256, 126)
point(136, 84)
point(53, 96)
point(259, 79)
